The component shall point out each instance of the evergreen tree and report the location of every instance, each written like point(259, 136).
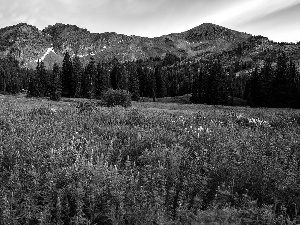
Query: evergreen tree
point(232, 86)
point(124, 75)
point(280, 82)
point(43, 79)
point(142, 81)
point(292, 87)
point(78, 76)
point(160, 82)
point(197, 89)
point(253, 97)
point(173, 82)
point(90, 77)
point(217, 85)
point(133, 87)
point(13, 78)
point(102, 79)
point(265, 85)
point(68, 86)
point(150, 83)
point(116, 76)
point(55, 91)
point(34, 83)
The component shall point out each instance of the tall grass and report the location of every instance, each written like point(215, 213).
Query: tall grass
point(60, 164)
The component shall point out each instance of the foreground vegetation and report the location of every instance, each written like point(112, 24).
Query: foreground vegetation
point(153, 163)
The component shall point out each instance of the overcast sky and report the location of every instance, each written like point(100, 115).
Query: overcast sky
point(278, 20)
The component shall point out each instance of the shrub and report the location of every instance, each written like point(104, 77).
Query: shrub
point(116, 97)
point(55, 95)
point(85, 106)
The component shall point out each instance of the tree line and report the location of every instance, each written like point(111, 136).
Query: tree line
point(272, 84)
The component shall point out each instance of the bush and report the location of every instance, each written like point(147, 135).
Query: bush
point(116, 97)
point(85, 106)
point(55, 95)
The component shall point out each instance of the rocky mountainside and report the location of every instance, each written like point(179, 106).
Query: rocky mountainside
point(28, 44)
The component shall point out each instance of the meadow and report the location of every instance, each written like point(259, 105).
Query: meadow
point(76, 162)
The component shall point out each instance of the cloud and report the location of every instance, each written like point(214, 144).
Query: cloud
point(281, 24)
point(150, 18)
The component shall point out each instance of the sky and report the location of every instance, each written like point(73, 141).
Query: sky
point(279, 20)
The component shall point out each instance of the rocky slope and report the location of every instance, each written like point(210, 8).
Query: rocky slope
point(28, 44)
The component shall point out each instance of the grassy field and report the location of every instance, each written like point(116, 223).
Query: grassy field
point(153, 163)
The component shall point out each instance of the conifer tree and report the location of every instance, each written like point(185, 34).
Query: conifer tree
point(134, 86)
point(124, 78)
point(55, 91)
point(43, 79)
point(102, 79)
point(116, 76)
point(265, 85)
point(90, 77)
point(253, 97)
point(200, 86)
point(68, 87)
point(217, 90)
point(78, 76)
point(292, 87)
point(142, 81)
point(160, 82)
point(34, 83)
point(280, 82)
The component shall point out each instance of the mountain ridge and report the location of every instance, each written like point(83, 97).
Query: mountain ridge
point(29, 44)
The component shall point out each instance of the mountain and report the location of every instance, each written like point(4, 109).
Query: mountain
point(29, 44)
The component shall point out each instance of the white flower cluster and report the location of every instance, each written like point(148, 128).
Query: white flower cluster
point(197, 130)
point(258, 122)
point(181, 119)
point(253, 121)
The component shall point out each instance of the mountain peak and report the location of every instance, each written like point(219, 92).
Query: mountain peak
point(210, 31)
point(28, 44)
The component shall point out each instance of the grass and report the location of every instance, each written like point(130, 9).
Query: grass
point(153, 163)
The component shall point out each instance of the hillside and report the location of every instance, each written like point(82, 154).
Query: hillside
point(28, 44)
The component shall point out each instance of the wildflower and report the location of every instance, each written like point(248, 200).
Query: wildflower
point(200, 128)
point(239, 116)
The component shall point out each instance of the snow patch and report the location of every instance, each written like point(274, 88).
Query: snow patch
point(84, 55)
point(46, 53)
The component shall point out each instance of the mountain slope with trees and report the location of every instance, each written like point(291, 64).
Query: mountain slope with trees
point(28, 44)
point(76, 63)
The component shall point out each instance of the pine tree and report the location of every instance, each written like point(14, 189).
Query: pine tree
point(195, 98)
point(102, 79)
point(78, 75)
point(160, 82)
point(124, 78)
point(55, 91)
point(280, 82)
point(265, 85)
point(133, 87)
point(217, 89)
point(116, 76)
point(150, 83)
point(142, 81)
point(68, 86)
point(43, 80)
point(34, 83)
point(10, 75)
point(253, 97)
point(90, 77)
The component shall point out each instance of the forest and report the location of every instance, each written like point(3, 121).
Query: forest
point(275, 83)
